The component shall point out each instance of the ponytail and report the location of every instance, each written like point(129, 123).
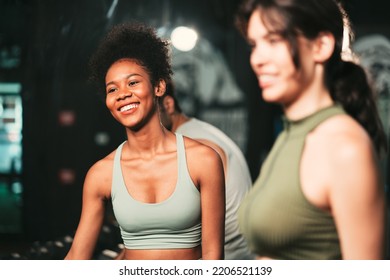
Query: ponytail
point(350, 87)
point(346, 81)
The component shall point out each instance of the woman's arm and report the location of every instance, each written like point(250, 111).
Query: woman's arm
point(357, 198)
point(212, 190)
point(93, 209)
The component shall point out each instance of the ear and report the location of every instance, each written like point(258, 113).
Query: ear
point(323, 47)
point(169, 104)
point(159, 90)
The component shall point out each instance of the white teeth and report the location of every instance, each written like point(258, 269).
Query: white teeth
point(128, 107)
point(266, 79)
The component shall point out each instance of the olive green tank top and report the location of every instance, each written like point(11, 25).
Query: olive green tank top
point(275, 217)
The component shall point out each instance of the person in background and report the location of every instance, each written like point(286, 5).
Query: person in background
point(237, 175)
point(319, 194)
point(167, 191)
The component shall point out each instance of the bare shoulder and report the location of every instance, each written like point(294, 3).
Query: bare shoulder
point(349, 154)
point(344, 138)
point(99, 176)
point(195, 148)
point(201, 159)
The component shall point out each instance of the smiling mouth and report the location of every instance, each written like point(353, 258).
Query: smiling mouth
point(128, 107)
point(266, 80)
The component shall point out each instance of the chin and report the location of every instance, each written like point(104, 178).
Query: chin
point(271, 97)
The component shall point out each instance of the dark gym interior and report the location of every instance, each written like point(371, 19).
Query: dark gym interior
point(53, 126)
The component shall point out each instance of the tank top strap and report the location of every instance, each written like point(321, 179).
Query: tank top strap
point(117, 179)
point(181, 155)
point(118, 153)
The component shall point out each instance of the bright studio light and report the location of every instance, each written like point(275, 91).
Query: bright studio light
point(184, 38)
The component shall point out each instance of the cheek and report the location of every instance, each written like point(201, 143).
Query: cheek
point(109, 102)
point(288, 70)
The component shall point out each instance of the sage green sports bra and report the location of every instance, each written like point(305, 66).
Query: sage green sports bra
point(171, 224)
point(275, 217)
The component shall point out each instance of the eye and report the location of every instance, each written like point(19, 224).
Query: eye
point(274, 39)
point(133, 83)
point(111, 90)
point(251, 44)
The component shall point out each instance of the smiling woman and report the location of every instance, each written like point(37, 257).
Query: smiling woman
point(169, 205)
point(127, 87)
point(321, 179)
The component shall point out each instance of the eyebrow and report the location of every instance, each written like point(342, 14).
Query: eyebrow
point(125, 78)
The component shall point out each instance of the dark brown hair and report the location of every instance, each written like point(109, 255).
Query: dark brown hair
point(346, 80)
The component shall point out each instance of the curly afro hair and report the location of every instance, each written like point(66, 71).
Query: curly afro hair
point(134, 41)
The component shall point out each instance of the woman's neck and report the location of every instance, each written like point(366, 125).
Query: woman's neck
point(306, 107)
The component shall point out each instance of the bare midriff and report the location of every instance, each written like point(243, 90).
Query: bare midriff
point(164, 254)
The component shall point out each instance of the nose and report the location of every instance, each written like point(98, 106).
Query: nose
point(123, 94)
point(257, 58)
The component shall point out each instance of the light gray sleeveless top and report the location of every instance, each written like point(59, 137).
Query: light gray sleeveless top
point(171, 224)
point(238, 182)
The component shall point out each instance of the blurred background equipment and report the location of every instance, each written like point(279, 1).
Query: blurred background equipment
point(53, 126)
